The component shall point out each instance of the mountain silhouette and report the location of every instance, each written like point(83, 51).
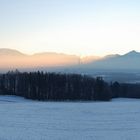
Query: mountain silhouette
point(12, 59)
point(130, 60)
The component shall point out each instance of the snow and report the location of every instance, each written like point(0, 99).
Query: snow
point(13, 99)
point(22, 119)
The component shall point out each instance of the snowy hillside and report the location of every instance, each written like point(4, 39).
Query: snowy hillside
point(22, 119)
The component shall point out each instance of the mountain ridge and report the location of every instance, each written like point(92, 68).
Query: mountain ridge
point(12, 52)
point(16, 59)
point(7, 51)
point(130, 60)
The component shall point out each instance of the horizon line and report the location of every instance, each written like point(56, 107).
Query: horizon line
point(63, 53)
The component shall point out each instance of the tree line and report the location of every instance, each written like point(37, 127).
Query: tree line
point(61, 87)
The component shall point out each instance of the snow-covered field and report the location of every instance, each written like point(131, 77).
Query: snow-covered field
point(22, 119)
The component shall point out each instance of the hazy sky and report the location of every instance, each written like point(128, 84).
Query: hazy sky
point(82, 27)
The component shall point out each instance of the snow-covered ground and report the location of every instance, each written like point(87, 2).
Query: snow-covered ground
point(22, 119)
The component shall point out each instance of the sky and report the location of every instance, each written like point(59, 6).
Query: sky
point(80, 27)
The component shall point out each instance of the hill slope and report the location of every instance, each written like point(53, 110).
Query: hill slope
point(129, 61)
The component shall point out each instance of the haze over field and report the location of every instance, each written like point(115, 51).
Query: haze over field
point(12, 59)
point(15, 59)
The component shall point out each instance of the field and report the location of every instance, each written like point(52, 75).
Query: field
point(22, 119)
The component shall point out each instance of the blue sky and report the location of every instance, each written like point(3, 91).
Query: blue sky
point(82, 27)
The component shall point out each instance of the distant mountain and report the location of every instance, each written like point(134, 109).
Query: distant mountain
point(10, 52)
point(13, 59)
point(128, 61)
point(51, 59)
point(132, 54)
point(111, 56)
